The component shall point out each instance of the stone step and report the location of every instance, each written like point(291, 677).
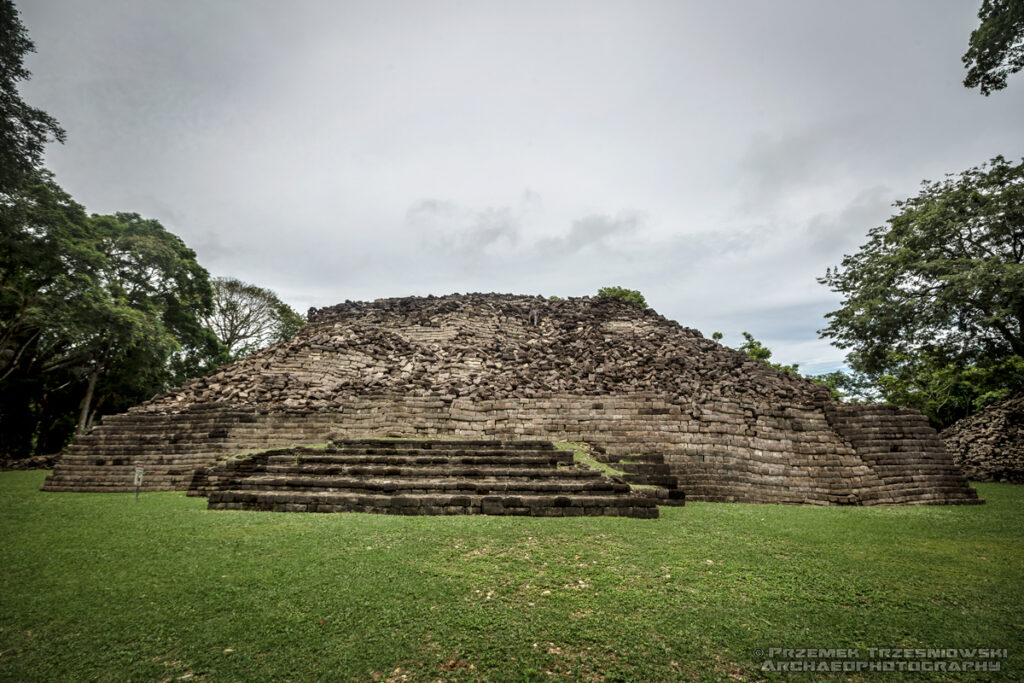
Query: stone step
point(661, 496)
point(643, 468)
point(666, 481)
point(427, 473)
point(475, 471)
point(398, 459)
point(652, 458)
point(79, 461)
point(105, 487)
point(438, 504)
point(416, 485)
point(444, 445)
point(348, 454)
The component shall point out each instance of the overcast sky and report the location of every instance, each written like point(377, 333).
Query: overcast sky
point(717, 156)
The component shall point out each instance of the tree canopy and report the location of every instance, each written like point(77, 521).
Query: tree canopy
point(24, 130)
point(629, 295)
point(996, 47)
point(246, 317)
point(933, 307)
point(149, 305)
point(95, 311)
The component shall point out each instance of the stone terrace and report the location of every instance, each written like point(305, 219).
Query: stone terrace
point(414, 477)
point(503, 367)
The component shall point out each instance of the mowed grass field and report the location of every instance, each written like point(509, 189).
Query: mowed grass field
point(99, 587)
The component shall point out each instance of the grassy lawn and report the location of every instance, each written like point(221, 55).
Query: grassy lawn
point(99, 587)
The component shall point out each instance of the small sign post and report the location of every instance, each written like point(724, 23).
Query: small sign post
point(138, 480)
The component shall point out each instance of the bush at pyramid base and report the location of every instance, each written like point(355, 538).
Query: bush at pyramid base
point(503, 367)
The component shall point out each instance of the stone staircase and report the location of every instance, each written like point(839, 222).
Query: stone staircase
point(647, 470)
point(419, 477)
point(171, 447)
point(905, 453)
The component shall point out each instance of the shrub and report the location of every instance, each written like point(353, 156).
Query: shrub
point(629, 295)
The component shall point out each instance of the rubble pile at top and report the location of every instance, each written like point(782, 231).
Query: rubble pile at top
point(489, 346)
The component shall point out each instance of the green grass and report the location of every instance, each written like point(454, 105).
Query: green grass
point(98, 587)
point(582, 456)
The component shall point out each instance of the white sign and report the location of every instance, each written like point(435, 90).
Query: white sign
point(138, 475)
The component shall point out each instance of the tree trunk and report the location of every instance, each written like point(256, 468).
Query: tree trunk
point(83, 417)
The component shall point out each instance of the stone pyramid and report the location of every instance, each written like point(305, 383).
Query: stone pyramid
point(505, 367)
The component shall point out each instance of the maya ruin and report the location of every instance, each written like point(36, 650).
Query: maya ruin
point(657, 398)
point(989, 445)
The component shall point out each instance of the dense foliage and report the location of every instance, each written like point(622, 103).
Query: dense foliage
point(996, 47)
point(629, 295)
point(24, 130)
point(933, 308)
point(96, 313)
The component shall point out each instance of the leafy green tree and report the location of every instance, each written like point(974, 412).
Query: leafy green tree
point(96, 313)
point(996, 47)
point(150, 304)
point(24, 130)
point(629, 295)
point(933, 307)
point(758, 351)
point(946, 389)
point(96, 308)
point(49, 273)
point(246, 317)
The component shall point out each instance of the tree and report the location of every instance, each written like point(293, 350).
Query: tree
point(24, 130)
point(933, 303)
point(149, 305)
point(996, 47)
point(628, 295)
point(94, 312)
point(48, 269)
point(759, 351)
point(246, 317)
point(50, 261)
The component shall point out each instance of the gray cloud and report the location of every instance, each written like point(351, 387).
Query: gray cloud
point(355, 150)
point(774, 164)
point(832, 233)
point(591, 231)
point(469, 233)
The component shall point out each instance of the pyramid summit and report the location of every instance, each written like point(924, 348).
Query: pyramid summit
point(501, 367)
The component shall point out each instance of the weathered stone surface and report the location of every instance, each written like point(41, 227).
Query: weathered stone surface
point(423, 478)
point(501, 367)
point(37, 462)
point(989, 446)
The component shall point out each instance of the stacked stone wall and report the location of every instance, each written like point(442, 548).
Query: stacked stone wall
point(989, 446)
point(720, 451)
point(488, 366)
